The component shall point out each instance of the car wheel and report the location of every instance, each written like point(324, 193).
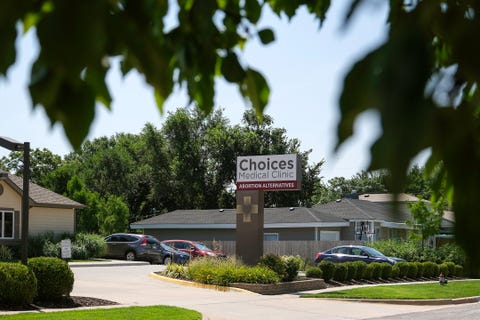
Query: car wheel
point(167, 260)
point(130, 256)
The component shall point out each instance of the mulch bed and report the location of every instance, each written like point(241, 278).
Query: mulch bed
point(65, 303)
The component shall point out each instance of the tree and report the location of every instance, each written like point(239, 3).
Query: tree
point(426, 220)
point(42, 162)
point(424, 77)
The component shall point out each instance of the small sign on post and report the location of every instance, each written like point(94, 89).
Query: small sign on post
point(66, 245)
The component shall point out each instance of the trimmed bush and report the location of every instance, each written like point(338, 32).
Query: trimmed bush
point(54, 277)
point(444, 268)
point(395, 271)
point(340, 273)
point(420, 269)
point(313, 272)
point(328, 269)
point(402, 268)
point(386, 270)
point(361, 266)
point(292, 265)
point(412, 270)
point(275, 264)
point(351, 270)
point(376, 270)
point(368, 274)
point(429, 269)
point(18, 285)
point(458, 270)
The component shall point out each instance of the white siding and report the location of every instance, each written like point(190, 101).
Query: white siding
point(10, 199)
point(51, 219)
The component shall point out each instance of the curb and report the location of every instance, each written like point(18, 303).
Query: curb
point(111, 263)
point(199, 285)
point(418, 302)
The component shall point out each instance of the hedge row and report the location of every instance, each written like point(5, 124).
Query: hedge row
point(42, 279)
point(360, 270)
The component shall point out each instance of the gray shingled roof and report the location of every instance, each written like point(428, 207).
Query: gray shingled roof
point(353, 209)
point(39, 196)
point(297, 215)
point(333, 212)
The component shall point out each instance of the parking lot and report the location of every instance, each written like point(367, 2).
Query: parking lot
point(132, 285)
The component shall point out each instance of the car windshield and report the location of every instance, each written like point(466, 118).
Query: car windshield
point(202, 246)
point(373, 252)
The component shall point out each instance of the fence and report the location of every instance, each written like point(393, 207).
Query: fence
point(305, 249)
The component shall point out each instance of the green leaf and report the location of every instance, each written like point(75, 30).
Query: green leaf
point(253, 10)
point(231, 68)
point(266, 36)
point(255, 87)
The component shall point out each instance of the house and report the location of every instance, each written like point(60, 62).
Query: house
point(48, 211)
point(344, 219)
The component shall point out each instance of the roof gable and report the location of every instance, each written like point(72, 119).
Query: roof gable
point(39, 196)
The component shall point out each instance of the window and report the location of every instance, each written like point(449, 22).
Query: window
point(6, 224)
point(270, 237)
point(326, 235)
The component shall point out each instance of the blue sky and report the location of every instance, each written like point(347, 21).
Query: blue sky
point(304, 67)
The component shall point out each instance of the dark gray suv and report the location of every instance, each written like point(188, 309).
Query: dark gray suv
point(143, 247)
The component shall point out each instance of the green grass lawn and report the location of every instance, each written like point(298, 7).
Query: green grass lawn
point(127, 313)
point(457, 289)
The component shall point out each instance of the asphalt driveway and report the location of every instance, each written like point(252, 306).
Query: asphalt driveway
point(132, 285)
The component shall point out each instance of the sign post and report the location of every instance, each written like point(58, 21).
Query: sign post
point(256, 174)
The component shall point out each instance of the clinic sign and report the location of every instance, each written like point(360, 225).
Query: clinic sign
point(269, 172)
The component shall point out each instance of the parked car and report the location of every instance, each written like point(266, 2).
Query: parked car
point(142, 247)
point(193, 248)
point(355, 253)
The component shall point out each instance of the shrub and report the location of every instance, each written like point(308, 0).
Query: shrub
point(328, 269)
point(92, 245)
point(54, 277)
point(443, 268)
point(458, 270)
point(420, 269)
point(292, 265)
point(376, 270)
point(175, 271)
point(275, 264)
point(395, 271)
point(313, 272)
point(451, 268)
point(6, 254)
point(257, 274)
point(412, 270)
point(368, 274)
point(37, 242)
point(402, 268)
point(225, 271)
point(429, 269)
point(51, 249)
point(351, 270)
point(18, 285)
point(361, 266)
point(386, 270)
point(340, 273)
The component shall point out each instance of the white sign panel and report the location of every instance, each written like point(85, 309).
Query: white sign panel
point(269, 172)
point(66, 245)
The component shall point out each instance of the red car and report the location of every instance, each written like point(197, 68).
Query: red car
point(193, 248)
